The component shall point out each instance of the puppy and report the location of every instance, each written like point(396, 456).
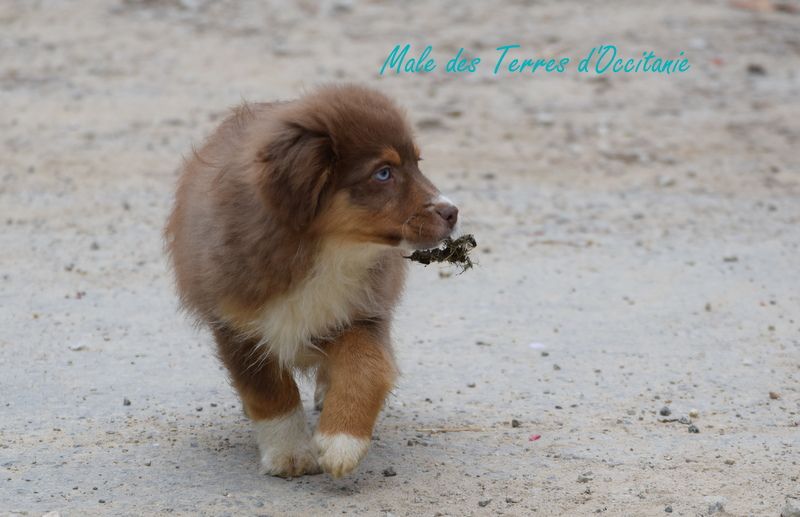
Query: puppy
point(287, 239)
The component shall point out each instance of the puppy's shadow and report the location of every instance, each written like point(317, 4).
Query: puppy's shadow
point(225, 449)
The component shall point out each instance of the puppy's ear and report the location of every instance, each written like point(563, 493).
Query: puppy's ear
point(297, 163)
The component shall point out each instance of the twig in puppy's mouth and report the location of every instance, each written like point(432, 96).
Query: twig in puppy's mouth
point(454, 251)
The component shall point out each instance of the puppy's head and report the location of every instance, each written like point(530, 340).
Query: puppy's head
point(341, 161)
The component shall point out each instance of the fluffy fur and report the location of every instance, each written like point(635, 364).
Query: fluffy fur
point(286, 239)
point(335, 288)
point(285, 446)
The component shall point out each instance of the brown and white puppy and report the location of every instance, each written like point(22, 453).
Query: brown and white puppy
point(287, 239)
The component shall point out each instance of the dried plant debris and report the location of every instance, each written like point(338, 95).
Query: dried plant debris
point(454, 251)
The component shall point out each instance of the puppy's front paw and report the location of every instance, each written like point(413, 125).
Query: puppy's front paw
point(289, 463)
point(340, 453)
point(285, 446)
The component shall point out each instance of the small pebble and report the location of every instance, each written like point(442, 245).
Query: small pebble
point(484, 503)
point(694, 413)
point(729, 462)
point(698, 43)
point(774, 395)
point(665, 411)
point(693, 429)
point(685, 420)
point(512, 500)
point(792, 507)
point(666, 181)
point(515, 422)
point(471, 385)
point(668, 509)
point(389, 472)
point(585, 477)
point(126, 401)
point(716, 505)
point(430, 123)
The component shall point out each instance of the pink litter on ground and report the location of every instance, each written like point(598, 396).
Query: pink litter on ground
point(534, 437)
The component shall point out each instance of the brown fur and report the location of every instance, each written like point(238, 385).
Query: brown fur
point(267, 391)
point(360, 372)
point(391, 156)
point(280, 210)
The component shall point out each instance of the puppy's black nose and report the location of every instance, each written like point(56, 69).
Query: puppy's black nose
point(448, 212)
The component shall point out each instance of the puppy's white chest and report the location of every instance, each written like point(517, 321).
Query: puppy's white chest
point(337, 286)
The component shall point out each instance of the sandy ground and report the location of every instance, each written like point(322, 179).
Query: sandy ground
point(639, 240)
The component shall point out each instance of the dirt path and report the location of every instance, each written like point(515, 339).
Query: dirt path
point(639, 240)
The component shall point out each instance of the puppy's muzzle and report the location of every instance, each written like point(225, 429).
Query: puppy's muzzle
point(447, 211)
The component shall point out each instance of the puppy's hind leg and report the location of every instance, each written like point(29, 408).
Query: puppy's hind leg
point(272, 401)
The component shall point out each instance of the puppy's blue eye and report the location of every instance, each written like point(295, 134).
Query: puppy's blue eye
point(384, 174)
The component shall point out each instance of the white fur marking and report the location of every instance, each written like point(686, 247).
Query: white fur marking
point(340, 453)
point(406, 246)
point(442, 199)
point(335, 288)
point(320, 391)
point(285, 445)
